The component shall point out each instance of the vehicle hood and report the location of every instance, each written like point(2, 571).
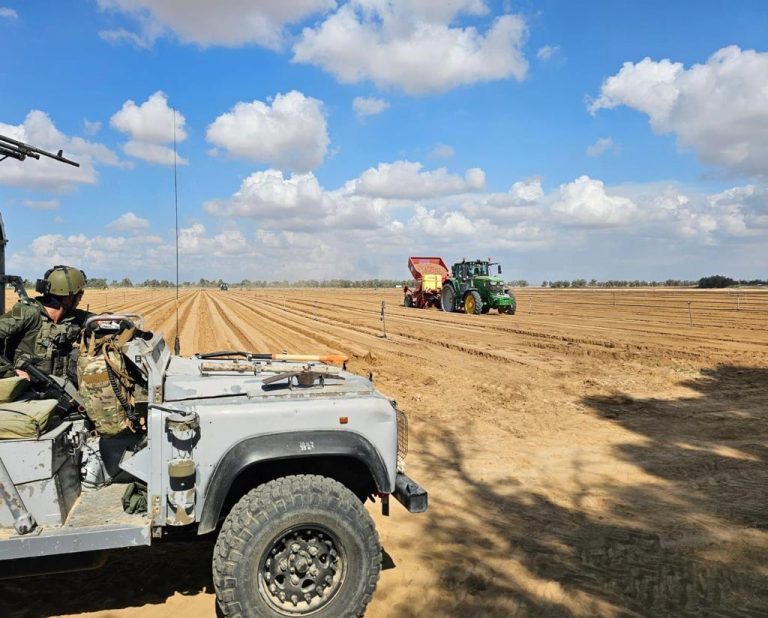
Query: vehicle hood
point(195, 379)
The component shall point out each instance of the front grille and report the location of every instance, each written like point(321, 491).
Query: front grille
point(402, 439)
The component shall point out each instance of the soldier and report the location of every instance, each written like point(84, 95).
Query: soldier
point(46, 328)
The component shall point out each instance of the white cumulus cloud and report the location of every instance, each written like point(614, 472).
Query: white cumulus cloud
point(129, 222)
point(194, 240)
point(719, 108)
point(153, 121)
point(406, 180)
point(224, 22)
point(601, 146)
point(150, 126)
point(413, 46)
point(291, 133)
point(91, 253)
point(442, 151)
point(547, 52)
point(528, 190)
point(584, 202)
point(268, 194)
point(369, 106)
point(153, 153)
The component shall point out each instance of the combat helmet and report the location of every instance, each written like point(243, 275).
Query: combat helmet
point(61, 281)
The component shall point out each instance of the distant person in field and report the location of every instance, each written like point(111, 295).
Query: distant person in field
point(46, 328)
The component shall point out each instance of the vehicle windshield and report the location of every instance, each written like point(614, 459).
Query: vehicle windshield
point(479, 269)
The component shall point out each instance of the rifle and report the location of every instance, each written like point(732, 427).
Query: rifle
point(47, 387)
point(18, 284)
point(20, 151)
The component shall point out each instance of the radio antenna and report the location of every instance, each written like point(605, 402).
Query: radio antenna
point(176, 342)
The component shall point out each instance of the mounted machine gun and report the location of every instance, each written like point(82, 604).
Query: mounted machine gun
point(20, 151)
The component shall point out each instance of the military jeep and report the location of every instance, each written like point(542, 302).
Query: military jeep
point(276, 455)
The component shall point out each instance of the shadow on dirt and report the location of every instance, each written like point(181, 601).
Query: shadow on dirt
point(130, 578)
point(689, 542)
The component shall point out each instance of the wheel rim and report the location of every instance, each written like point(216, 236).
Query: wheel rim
point(469, 304)
point(302, 570)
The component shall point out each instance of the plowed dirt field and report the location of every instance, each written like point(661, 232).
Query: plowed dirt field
point(601, 453)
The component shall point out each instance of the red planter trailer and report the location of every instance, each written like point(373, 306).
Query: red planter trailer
point(429, 274)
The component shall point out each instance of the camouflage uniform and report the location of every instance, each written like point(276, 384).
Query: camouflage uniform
point(27, 331)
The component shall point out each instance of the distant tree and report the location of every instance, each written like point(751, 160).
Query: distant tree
point(96, 283)
point(716, 281)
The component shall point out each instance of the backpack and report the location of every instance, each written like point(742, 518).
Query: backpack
point(105, 382)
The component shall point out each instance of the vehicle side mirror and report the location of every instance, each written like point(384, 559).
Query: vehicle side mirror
point(499, 268)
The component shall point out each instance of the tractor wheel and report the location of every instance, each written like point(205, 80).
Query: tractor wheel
point(447, 298)
point(296, 546)
point(473, 304)
point(408, 301)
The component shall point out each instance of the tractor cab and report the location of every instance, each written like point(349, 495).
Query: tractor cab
point(473, 268)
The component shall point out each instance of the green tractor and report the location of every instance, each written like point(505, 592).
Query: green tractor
point(471, 288)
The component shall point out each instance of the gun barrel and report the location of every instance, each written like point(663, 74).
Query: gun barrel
point(17, 282)
point(19, 150)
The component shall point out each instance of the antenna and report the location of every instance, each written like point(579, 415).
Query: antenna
point(176, 342)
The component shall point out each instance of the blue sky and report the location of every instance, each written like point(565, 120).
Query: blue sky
point(323, 139)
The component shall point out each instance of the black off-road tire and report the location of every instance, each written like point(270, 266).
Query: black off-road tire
point(447, 298)
point(311, 524)
point(408, 301)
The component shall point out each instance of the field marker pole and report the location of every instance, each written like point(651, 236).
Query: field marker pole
point(383, 321)
point(690, 315)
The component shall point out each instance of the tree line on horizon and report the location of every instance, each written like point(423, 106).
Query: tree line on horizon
point(710, 282)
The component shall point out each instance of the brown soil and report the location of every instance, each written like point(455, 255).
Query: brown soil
point(601, 453)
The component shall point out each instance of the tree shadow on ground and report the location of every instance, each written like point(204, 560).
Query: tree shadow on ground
point(690, 541)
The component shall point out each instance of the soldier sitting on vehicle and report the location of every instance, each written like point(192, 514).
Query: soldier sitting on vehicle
point(46, 328)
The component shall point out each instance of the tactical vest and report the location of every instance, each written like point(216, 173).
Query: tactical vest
point(41, 338)
point(54, 345)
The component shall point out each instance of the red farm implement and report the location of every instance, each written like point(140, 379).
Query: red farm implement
point(429, 274)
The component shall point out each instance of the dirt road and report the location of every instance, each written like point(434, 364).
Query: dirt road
point(600, 453)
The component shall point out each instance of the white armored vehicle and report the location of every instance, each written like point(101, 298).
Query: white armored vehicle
point(277, 454)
